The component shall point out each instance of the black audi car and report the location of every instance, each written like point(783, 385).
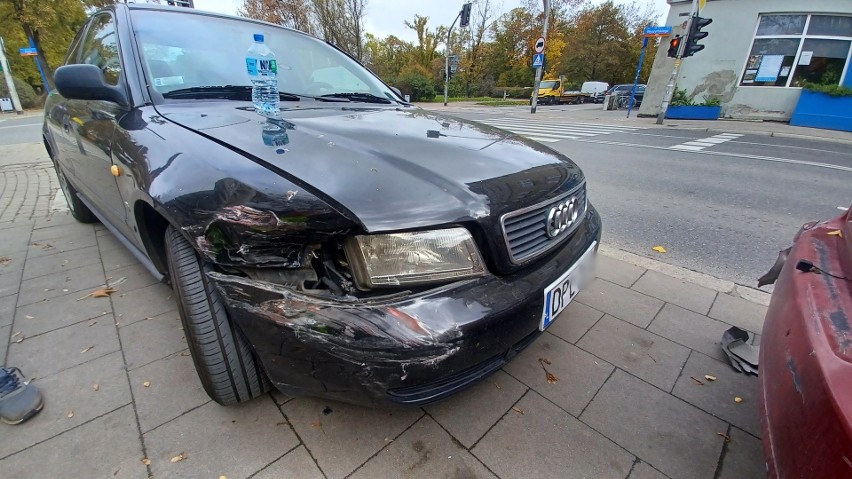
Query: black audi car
point(359, 248)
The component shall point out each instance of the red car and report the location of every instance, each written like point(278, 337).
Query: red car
point(806, 357)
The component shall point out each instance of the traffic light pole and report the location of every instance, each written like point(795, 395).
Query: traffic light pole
point(447, 59)
point(670, 87)
point(534, 102)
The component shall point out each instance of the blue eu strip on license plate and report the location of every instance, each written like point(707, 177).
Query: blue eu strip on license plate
point(559, 294)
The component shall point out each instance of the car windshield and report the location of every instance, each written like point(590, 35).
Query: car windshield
point(549, 84)
point(182, 51)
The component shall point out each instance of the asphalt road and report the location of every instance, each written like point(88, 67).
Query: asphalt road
point(724, 209)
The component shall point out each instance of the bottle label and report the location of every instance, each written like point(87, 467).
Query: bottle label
point(261, 67)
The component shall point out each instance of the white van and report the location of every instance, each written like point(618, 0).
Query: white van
point(593, 91)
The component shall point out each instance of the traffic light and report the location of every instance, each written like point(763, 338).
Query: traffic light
point(695, 34)
point(674, 43)
point(465, 15)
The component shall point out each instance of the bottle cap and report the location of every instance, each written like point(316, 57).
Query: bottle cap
point(258, 37)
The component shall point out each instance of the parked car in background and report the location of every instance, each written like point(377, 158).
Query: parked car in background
point(806, 356)
point(594, 91)
point(624, 89)
point(357, 248)
point(553, 92)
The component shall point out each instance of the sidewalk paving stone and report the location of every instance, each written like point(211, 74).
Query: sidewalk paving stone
point(58, 312)
point(574, 321)
point(84, 278)
point(67, 392)
point(423, 451)
point(340, 436)
point(48, 247)
point(115, 258)
point(717, 397)
point(52, 264)
point(105, 447)
point(63, 348)
point(578, 374)
point(70, 230)
point(618, 272)
point(543, 441)
point(147, 302)
point(130, 278)
point(10, 280)
point(650, 357)
point(673, 436)
point(643, 470)
point(296, 464)
point(623, 303)
point(152, 339)
point(469, 415)
point(739, 312)
point(173, 389)
point(739, 460)
point(691, 329)
point(675, 291)
point(7, 309)
point(220, 441)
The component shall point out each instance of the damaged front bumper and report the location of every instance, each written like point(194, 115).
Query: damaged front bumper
point(397, 350)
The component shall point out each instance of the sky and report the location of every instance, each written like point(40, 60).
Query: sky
point(386, 17)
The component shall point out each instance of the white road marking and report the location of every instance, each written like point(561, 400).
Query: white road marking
point(550, 131)
point(687, 147)
point(19, 126)
point(543, 140)
point(700, 144)
point(842, 208)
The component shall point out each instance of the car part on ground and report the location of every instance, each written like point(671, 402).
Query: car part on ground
point(806, 356)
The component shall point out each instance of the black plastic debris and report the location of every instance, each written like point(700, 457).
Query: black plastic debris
point(742, 356)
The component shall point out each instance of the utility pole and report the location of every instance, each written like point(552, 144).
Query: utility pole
point(670, 87)
point(16, 102)
point(539, 69)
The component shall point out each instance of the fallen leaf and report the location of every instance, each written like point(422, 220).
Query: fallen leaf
point(86, 350)
point(697, 381)
point(727, 437)
point(179, 457)
point(93, 323)
point(282, 423)
point(835, 233)
point(551, 378)
point(518, 410)
point(99, 293)
point(223, 477)
point(70, 413)
point(19, 339)
point(146, 461)
point(497, 386)
point(317, 424)
point(709, 377)
point(659, 249)
point(738, 399)
point(28, 317)
point(146, 383)
point(4, 260)
point(16, 334)
point(96, 386)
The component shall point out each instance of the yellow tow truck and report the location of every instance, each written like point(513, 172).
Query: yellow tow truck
point(552, 92)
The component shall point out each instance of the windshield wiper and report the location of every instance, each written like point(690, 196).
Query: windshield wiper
point(358, 96)
point(224, 92)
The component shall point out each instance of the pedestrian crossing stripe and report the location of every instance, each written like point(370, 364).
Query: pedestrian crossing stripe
point(700, 144)
point(550, 132)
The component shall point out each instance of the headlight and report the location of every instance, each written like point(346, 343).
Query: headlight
point(401, 259)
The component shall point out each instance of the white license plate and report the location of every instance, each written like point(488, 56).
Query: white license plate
point(559, 294)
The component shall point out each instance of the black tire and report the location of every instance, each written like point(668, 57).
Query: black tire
point(223, 358)
point(78, 209)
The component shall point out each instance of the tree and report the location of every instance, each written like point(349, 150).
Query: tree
point(289, 13)
point(426, 50)
point(51, 24)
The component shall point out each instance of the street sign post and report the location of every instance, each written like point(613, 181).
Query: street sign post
point(538, 60)
point(539, 48)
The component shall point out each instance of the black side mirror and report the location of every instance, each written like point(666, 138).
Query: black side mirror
point(86, 82)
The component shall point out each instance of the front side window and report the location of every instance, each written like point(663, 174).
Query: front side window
point(99, 48)
point(791, 49)
point(183, 51)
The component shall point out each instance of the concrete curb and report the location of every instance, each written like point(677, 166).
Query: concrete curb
point(701, 279)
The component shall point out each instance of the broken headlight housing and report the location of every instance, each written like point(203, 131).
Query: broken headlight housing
point(414, 258)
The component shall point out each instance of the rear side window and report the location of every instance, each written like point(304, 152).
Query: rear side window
point(100, 48)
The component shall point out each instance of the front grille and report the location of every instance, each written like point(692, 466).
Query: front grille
point(525, 230)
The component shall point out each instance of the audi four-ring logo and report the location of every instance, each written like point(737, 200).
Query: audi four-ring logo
point(561, 217)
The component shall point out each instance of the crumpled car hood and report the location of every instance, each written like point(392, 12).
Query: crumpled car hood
point(392, 168)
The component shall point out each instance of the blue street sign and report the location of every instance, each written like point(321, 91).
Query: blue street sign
point(657, 31)
point(538, 60)
point(28, 52)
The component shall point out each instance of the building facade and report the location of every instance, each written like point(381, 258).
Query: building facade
point(757, 54)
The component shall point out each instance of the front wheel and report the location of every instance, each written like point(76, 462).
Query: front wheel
point(78, 209)
point(223, 359)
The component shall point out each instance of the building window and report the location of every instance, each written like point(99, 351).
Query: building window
point(790, 49)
